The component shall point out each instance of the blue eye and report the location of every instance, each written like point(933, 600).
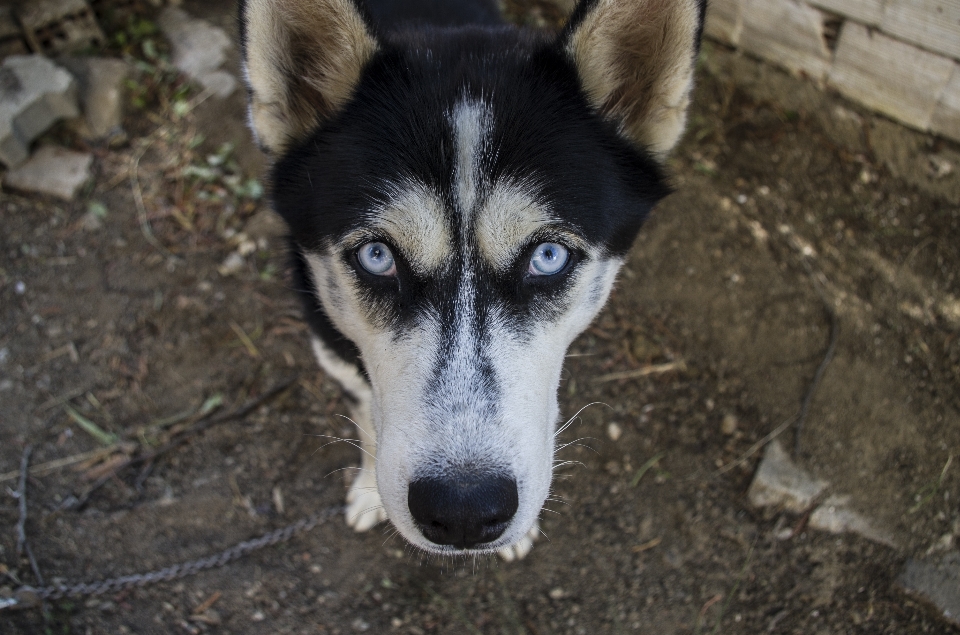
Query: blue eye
point(377, 259)
point(548, 259)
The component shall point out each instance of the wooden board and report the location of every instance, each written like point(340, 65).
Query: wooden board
point(930, 24)
point(788, 33)
point(892, 77)
point(946, 116)
point(724, 21)
point(869, 12)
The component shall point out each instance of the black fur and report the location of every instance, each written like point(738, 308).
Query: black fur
point(396, 128)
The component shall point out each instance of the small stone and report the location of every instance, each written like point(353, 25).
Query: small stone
point(778, 482)
point(199, 49)
point(100, 80)
point(936, 582)
point(258, 616)
point(220, 83)
point(232, 264)
point(52, 170)
point(614, 431)
point(729, 424)
point(265, 224)
point(836, 517)
point(34, 93)
point(557, 594)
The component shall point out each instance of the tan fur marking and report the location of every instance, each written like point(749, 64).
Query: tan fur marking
point(304, 58)
point(415, 221)
point(504, 223)
point(635, 59)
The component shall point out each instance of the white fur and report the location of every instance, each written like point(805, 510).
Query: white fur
point(420, 425)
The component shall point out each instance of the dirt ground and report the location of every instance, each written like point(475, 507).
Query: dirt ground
point(786, 201)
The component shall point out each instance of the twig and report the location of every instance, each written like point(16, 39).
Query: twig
point(56, 464)
point(827, 357)
point(759, 444)
point(649, 369)
point(21, 494)
point(134, 172)
point(184, 436)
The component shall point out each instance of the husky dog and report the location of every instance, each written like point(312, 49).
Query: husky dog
point(460, 194)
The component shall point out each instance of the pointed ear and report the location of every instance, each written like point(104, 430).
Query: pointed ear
point(636, 59)
point(302, 60)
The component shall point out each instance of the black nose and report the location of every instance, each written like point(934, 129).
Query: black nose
point(463, 510)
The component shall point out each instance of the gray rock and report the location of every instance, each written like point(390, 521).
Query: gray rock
point(100, 80)
point(34, 93)
point(220, 83)
point(836, 517)
point(778, 482)
point(199, 49)
point(51, 170)
point(936, 582)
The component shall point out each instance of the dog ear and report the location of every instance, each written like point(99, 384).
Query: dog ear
point(302, 60)
point(635, 59)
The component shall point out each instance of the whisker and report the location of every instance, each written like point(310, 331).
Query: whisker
point(577, 442)
point(571, 419)
point(368, 509)
point(340, 469)
point(359, 427)
point(353, 442)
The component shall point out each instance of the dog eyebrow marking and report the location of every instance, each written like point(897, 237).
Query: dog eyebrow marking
point(471, 121)
point(505, 221)
point(413, 216)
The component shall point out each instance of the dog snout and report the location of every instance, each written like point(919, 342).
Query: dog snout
point(463, 510)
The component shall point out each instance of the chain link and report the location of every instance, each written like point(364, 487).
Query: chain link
point(27, 596)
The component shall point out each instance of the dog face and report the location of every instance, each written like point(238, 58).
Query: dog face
point(461, 201)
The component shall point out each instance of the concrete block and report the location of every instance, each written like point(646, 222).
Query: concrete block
point(724, 21)
point(51, 170)
point(100, 81)
point(869, 12)
point(889, 76)
point(946, 114)
point(936, 582)
point(59, 26)
point(930, 24)
point(34, 93)
point(199, 49)
point(787, 33)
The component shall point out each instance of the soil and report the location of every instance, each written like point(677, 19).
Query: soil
point(786, 210)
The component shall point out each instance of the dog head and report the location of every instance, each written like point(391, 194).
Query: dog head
point(463, 199)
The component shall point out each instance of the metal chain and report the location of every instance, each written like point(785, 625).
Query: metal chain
point(27, 596)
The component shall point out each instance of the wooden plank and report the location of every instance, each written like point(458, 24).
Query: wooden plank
point(724, 21)
point(946, 116)
point(888, 75)
point(787, 33)
point(869, 12)
point(930, 24)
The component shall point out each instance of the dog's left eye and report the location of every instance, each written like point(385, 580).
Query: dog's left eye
point(377, 259)
point(548, 259)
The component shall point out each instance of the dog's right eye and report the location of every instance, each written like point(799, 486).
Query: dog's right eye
point(376, 258)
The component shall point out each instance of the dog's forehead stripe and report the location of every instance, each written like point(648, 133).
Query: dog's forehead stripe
point(470, 121)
